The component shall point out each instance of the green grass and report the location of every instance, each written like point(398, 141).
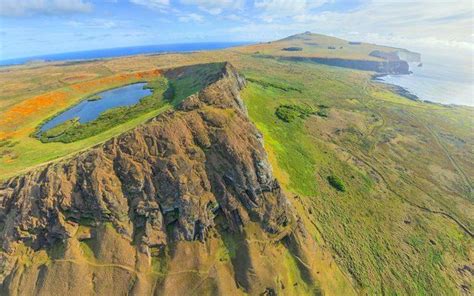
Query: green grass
point(337, 183)
point(273, 84)
point(285, 139)
point(230, 242)
point(60, 130)
point(382, 146)
point(289, 112)
point(72, 130)
point(70, 138)
point(192, 80)
point(365, 229)
point(26, 151)
point(164, 91)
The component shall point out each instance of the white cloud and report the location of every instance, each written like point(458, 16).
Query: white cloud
point(410, 23)
point(281, 6)
point(272, 10)
point(191, 17)
point(28, 7)
point(152, 4)
point(215, 7)
point(234, 17)
point(422, 22)
point(93, 24)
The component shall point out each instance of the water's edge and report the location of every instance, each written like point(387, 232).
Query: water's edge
point(52, 122)
point(406, 93)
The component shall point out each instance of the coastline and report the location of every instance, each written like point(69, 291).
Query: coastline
point(404, 92)
point(400, 90)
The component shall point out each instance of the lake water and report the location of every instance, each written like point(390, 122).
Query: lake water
point(122, 51)
point(446, 79)
point(90, 110)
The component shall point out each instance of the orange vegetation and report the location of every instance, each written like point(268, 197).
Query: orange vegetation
point(87, 86)
point(33, 105)
point(20, 112)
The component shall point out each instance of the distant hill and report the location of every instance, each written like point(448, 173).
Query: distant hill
point(337, 52)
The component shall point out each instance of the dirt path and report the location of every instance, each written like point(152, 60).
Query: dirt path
point(451, 159)
point(83, 261)
point(411, 203)
point(438, 141)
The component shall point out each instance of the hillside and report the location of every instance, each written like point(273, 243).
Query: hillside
point(337, 52)
point(252, 173)
point(213, 186)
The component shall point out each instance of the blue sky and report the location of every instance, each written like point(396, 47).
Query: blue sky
point(34, 27)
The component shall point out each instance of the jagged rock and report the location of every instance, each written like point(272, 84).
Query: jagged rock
point(166, 179)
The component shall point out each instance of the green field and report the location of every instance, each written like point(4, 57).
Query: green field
point(383, 183)
point(384, 229)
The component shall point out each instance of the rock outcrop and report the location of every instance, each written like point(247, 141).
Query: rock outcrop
point(164, 181)
point(385, 67)
point(409, 56)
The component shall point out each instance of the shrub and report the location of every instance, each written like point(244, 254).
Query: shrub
point(322, 113)
point(286, 114)
point(289, 113)
point(280, 86)
point(337, 183)
point(293, 48)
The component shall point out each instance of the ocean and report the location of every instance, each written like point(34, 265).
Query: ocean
point(122, 51)
point(443, 78)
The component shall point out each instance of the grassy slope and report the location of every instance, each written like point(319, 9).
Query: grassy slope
point(19, 151)
point(405, 165)
point(315, 45)
point(384, 242)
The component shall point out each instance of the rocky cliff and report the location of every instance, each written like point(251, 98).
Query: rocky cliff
point(409, 56)
point(397, 55)
point(385, 67)
point(189, 175)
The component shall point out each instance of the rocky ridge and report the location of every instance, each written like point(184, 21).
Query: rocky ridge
point(161, 182)
point(185, 201)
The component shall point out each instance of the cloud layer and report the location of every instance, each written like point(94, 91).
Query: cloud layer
point(29, 24)
point(28, 7)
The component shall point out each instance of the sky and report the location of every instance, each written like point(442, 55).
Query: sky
point(36, 27)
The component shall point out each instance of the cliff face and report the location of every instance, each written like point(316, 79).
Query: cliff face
point(409, 56)
point(181, 169)
point(178, 178)
point(385, 67)
point(397, 55)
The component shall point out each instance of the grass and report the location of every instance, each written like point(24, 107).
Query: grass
point(165, 91)
point(274, 84)
point(25, 156)
point(19, 151)
point(60, 130)
point(230, 245)
point(290, 112)
point(192, 80)
point(72, 130)
point(396, 158)
point(315, 45)
point(366, 231)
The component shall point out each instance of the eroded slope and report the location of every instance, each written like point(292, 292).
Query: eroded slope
point(186, 201)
